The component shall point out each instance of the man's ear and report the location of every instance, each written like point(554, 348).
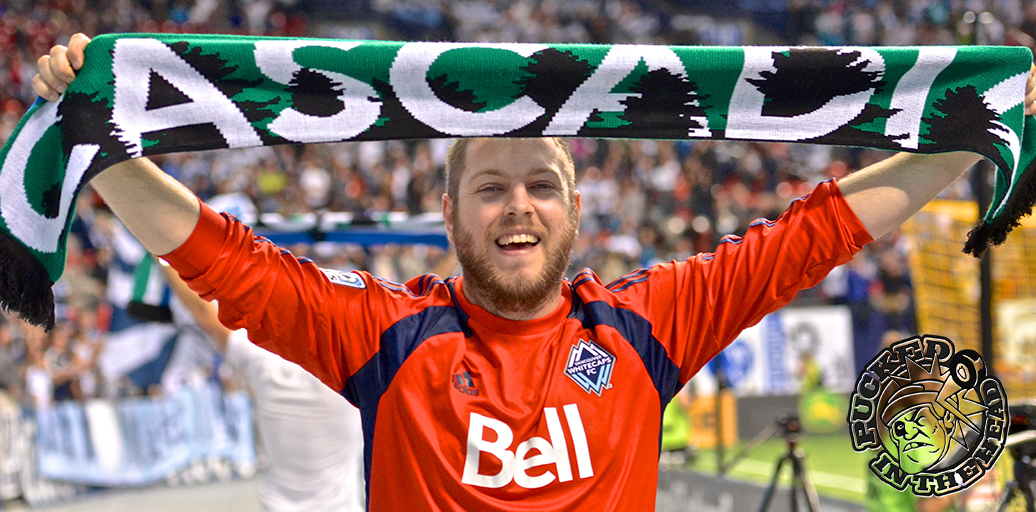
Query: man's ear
point(579, 208)
point(447, 215)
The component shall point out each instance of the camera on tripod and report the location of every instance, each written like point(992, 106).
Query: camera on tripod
point(788, 427)
point(789, 424)
point(1023, 418)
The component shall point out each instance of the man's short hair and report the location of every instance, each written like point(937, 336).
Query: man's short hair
point(455, 161)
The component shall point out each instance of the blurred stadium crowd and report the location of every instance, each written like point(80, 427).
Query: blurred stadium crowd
point(643, 201)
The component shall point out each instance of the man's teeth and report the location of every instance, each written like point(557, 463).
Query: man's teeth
point(517, 239)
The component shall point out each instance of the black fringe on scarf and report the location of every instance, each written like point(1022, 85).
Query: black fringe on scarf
point(1018, 205)
point(24, 284)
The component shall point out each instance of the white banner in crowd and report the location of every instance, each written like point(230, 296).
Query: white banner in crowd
point(1016, 342)
point(143, 441)
point(18, 476)
point(775, 356)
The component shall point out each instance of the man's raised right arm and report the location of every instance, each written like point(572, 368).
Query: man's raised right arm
point(157, 209)
point(288, 305)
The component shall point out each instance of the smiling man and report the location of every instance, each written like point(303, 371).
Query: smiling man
point(510, 387)
point(513, 218)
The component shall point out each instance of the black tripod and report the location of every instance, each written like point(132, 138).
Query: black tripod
point(1023, 451)
point(788, 427)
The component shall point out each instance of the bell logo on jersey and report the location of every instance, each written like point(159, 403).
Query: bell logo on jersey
point(515, 465)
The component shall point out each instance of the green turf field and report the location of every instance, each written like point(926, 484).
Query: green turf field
point(836, 469)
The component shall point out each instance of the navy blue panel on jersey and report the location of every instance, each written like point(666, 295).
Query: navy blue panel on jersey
point(365, 387)
point(397, 343)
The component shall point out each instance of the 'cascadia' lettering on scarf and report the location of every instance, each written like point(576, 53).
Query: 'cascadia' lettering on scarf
point(39, 232)
point(762, 106)
point(150, 120)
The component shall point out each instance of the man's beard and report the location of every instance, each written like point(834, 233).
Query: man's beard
point(489, 287)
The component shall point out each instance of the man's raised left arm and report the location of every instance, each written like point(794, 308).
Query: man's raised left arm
point(886, 194)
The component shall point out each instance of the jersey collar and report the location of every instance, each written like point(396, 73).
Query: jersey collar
point(481, 317)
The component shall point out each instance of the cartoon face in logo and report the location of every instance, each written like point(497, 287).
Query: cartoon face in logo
point(929, 410)
point(919, 438)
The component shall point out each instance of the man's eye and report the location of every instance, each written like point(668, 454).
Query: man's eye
point(899, 429)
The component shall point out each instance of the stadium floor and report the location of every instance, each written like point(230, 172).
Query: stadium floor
point(235, 496)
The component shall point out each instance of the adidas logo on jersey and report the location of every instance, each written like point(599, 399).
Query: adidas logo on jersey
point(464, 383)
point(514, 465)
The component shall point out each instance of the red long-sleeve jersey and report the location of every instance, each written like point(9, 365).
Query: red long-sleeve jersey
point(464, 410)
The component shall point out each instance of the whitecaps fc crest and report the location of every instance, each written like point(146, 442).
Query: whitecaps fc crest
point(590, 366)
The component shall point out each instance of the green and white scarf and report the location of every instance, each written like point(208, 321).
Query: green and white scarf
point(145, 94)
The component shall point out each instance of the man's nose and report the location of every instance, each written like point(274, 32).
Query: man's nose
point(518, 201)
